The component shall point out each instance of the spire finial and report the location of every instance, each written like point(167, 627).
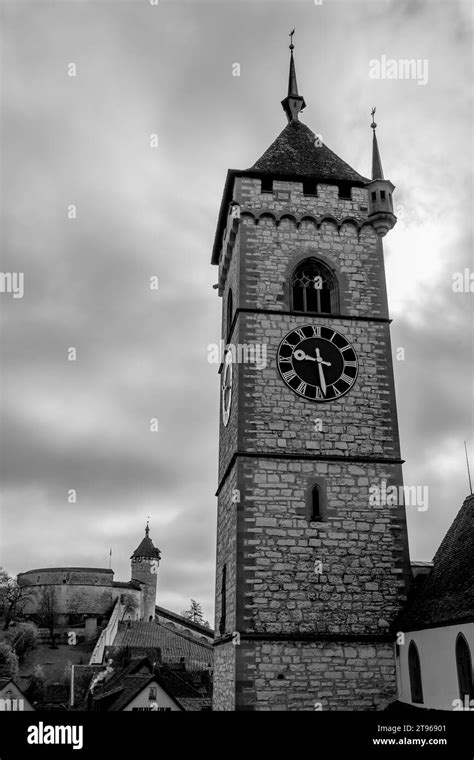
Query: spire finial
point(372, 113)
point(147, 529)
point(292, 85)
point(293, 103)
point(377, 171)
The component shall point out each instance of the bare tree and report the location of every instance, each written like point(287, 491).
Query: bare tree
point(48, 613)
point(13, 597)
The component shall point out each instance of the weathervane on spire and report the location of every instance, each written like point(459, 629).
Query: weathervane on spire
point(293, 103)
point(372, 113)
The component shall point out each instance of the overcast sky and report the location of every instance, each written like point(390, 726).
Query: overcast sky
point(144, 211)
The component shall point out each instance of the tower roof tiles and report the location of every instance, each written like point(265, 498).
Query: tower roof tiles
point(146, 548)
point(297, 152)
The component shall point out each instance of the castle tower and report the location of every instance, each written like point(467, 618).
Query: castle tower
point(145, 561)
point(312, 563)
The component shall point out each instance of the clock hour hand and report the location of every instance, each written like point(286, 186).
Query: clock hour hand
point(300, 355)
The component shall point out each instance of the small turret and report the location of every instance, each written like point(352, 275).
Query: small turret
point(380, 192)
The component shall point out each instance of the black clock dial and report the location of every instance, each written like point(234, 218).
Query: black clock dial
point(317, 363)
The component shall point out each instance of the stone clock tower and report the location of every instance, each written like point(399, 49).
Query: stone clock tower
point(311, 568)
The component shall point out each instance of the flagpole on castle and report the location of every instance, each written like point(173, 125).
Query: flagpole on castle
point(468, 470)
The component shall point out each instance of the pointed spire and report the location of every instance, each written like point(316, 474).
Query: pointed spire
point(147, 529)
point(380, 192)
point(293, 103)
point(292, 83)
point(377, 171)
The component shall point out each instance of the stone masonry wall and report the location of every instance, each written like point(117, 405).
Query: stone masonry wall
point(271, 246)
point(273, 418)
point(323, 676)
point(227, 552)
point(74, 599)
point(360, 585)
point(223, 696)
point(145, 571)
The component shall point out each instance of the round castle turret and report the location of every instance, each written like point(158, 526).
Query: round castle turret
point(145, 561)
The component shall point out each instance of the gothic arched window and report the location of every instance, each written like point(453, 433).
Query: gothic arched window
point(314, 288)
point(464, 668)
point(230, 314)
point(414, 670)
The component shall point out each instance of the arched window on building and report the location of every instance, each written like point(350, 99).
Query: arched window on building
point(464, 668)
point(316, 500)
point(316, 503)
point(414, 670)
point(314, 288)
point(222, 621)
point(230, 314)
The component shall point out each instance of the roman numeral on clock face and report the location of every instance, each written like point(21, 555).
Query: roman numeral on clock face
point(300, 334)
point(317, 331)
point(319, 393)
point(346, 379)
point(350, 364)
point(336, 392)
point(284, 359)
point(302, 387)
point(289, 375)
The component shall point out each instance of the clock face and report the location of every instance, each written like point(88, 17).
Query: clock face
point(317, 363)
point(226, 387)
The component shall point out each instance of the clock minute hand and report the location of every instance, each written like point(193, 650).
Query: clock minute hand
point(322, 380)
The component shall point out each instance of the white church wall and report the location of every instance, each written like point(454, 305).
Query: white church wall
point(436, 648)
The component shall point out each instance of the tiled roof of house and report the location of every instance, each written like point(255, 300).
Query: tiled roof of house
point(128, 682)
point(294, 152)
point(446, 595)
point(174, 645)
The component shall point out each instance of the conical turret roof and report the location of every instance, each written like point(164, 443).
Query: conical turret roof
point(146, 548)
